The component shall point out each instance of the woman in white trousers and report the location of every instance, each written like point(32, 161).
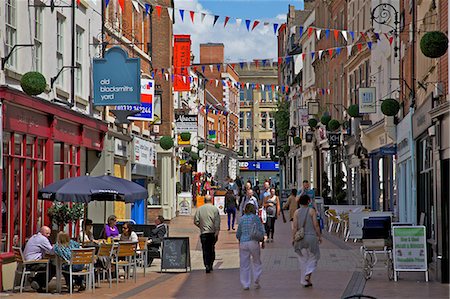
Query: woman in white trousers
point(249, 248)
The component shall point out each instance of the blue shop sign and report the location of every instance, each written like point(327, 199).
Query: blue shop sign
point(259, 165)
point(117, 79)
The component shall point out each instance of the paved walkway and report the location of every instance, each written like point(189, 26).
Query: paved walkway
point(339, 266)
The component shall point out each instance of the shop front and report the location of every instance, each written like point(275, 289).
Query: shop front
point(42, 143)
point(260, 169)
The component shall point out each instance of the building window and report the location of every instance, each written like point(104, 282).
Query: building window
point(270, 93)
point(249, 94)
point(60, 48)
point(241, 120)
point(263, 120)
point(249, 120)
point(263, 148)
point(271, 120)
point(272, 149)
point(248, 148)
point(38, 38)
point(78, 60)
point(241, 145)
point(11, 30)
point(242, 95)
point(263, 95)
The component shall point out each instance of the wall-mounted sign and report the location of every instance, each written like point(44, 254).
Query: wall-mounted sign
point(146, 106)
point(367, 100)
point(181, 61)
point(116, 79)
point(334, 138)
point(212, 135)
point(186, 123)
point(303, 117)
point(120, 147)
point(144, 152)
point(259, 165)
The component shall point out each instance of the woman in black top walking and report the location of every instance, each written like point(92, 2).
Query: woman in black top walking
point(230, 207)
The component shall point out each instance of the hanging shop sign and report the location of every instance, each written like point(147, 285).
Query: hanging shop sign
point(181, 62)
point(212, 135)
point(116, 79)
point(334, 138)
point(259, 165)
point(186, 123)
point(367, 100)
point(144, 152)
point(303, 117)
point(410, 251)
point(146, 106)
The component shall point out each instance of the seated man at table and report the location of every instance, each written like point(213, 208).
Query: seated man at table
point(35, 249)
point(155, 238)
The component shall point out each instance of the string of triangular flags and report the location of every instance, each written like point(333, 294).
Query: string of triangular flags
point(346, 34)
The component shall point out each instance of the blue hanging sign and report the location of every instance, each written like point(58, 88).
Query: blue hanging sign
point(117, 79)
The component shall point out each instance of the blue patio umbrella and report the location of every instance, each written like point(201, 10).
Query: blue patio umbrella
point(130, 190)
point(82, 189)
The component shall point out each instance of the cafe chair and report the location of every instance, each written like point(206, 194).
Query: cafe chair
point(105, 253)
point(23, 267)
point(125, 257)
point(142, 252)
point(82, 256)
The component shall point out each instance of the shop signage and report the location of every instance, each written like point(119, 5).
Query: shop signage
point(212, 135)
point(422, 118)
point(334, 138)
point(146, 106)
point(303, 117)
point(259, 165)
point(181, 142)
point(116, 79)
point(219, 202)
point(186, 123)
point(181, 62)
point(410, 252)
point(367, 100)
point(403, 138)
point(144, 152)
point(120, 147)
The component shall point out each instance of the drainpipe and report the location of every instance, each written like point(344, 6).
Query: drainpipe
point(411, 113)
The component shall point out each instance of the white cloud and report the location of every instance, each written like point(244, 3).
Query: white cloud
point(240, 45)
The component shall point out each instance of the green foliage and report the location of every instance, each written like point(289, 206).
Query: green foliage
point(282, 119)
point(353, 110)
point(312, 122)
point(434, 44)
point(194, 156)
point(201, 146)
point(281, 153)
point(33, 83)
point(178, 187)
point(62, 214)
point(240, 153)
point(274, 158)
point(187, 149)
point(325, 119)
point(297, 140)
point(326, 189)
point(286, 148)
point(166, 142)
point(333, 125)
point(217, 145)
point(185, 136)
point(340, 187)
point(390, 107)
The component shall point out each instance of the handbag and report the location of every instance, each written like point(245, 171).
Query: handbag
point(263, 215)
point(300, 233)
point(256, 234)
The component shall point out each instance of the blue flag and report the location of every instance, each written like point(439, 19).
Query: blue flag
point(247, 23)
point(182, 14)
point(275, 27)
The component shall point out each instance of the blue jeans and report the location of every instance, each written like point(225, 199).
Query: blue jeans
point(231, 212)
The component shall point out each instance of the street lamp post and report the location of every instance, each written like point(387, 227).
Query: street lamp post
point(256, 174)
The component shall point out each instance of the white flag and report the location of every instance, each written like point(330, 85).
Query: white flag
point(211, 67)
point(170, 12)
point(217, 83)
point(262, 86)
point(248, 85)
point(238, 22)
point(344, 34)
point(318, 31)
point(136, 6)
point(349, 50)
point(320, 54)
point(184, 79)
point(167, 76)
point(203, 17)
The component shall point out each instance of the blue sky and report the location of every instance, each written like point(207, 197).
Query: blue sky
point(240, 45)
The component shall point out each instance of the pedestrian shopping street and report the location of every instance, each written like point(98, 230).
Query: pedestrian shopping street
point(338, 271)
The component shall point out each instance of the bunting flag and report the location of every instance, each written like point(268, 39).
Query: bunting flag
point(181, 14)
point(344, 34)
point(215, 20)
point(301, 31)
point(359, 47)
point(310, 31)
point(312, 55)
point(192, 13)
point(203, 68)
point(78, 2)
point(369, 45)
point(353, 35)
point(318, 31)
point(336, 35)
point(338, 51)
point(327, 33)
point(203, 17)
point(275, 27)
point(121, 4)
point(106, 3)
point(147, 8)
point(247, 23)
point(135, 5)
point(349, 50)
point(226, 21)
point(255, 23)
point(218, 67)
point(158, 10)
point(241, 64)
point(238, 22)
point(170, 12)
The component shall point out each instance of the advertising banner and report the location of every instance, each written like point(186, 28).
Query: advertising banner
point(410, 252)
point(259, 165)
point(303, 117)
point(181, 61)
point(144, 152)
point(219, 202)
point(116, 79)
point(146, 107)
point(367, 100)
point(186, 123)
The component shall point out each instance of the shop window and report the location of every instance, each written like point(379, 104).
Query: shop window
point(263, 148)
point(263, 120)
point(155, 196)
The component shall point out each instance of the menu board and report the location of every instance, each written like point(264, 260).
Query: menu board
point(410, 252)
point(175, 254)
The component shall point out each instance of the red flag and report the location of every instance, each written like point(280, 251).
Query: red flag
point(359, 47)
point(257, 86)
point(390, 39)
point(256, 63)
point(122, 4)
point(287, 88)
point(310, 31)
point(195, 69)
point(226, 21)
point(336, 34)
point(158, 10)
point(233, 65)
point(303, 56)
point(330, 51)
point(255, 24)
point(192, 13)
point(280, 60)
point(78, 2)
point(363, 35)
point(273, 87)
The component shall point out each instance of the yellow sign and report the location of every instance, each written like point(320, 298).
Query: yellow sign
point(181, 142)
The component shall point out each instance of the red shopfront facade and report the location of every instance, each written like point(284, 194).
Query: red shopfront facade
point(42, 143)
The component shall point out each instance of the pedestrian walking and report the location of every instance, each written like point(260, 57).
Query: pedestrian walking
point(207, 219)
point(249, 198)
point(230, 207)
point(292, 205)
point(306, 247)
point(272, 206)
point(250, 233)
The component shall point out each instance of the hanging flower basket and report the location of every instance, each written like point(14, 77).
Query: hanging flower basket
point(194, 156)
point(353, 110)
point(325, 119)
point(240, 153)
point(185, 136)
point(201, 146)
point(286, 148)
point(333, 125)
point(187, 149)
point(217, 145)
point(166, 142)
point(390, 107)
point(312, 122)
point(33, 83)
point(434, 44)
point(297, 140)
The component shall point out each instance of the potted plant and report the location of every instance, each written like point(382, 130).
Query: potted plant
point(33, 83)
point(62, 214)
point(217, 145)
point(353, 110)
point(434, 44)
point(390, 107)
point(201, 146)
point(185, 136)
point(187, 149)
point(325, 119)
point(312, 122)
point(333, 125)
point(297, 140)
point(166, 142)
